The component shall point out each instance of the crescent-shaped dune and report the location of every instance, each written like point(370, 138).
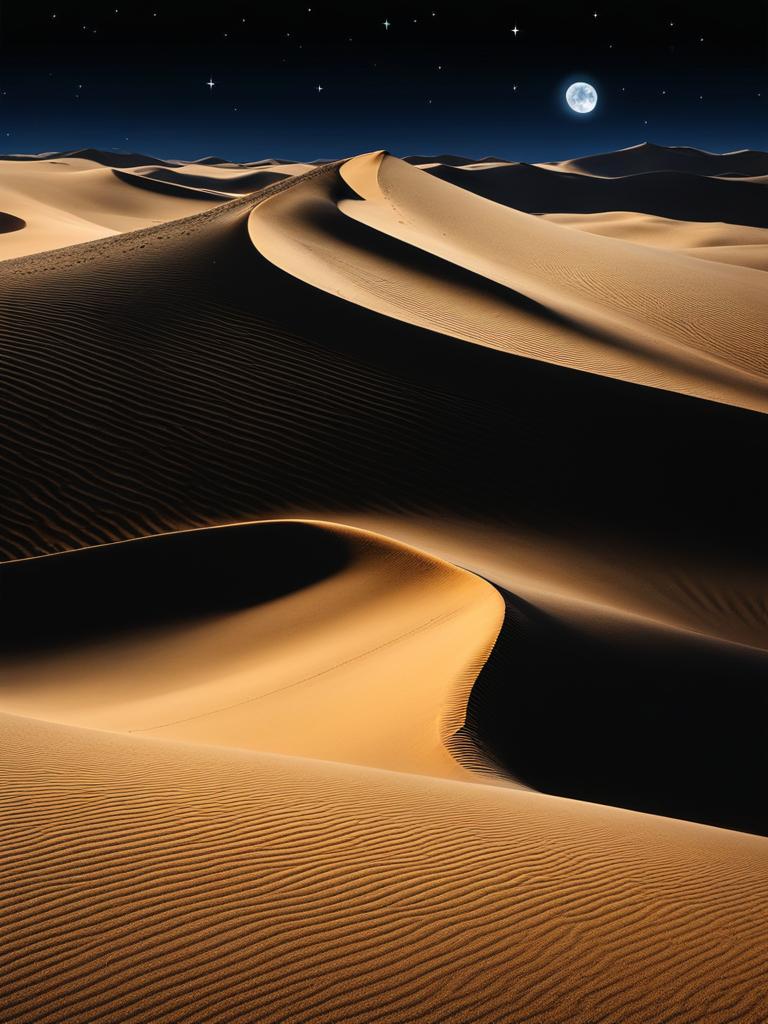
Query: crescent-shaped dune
point(615, 309)
point(372, 663)
point(384, 598)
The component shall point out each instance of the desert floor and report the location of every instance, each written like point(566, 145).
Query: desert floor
point(384, 579)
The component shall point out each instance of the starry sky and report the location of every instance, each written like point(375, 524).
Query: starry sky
point(252, 80)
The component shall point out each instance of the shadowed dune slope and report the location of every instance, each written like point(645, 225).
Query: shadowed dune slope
point(98, 156)
point(63, 202)
point(10, 223)
point(318, 640)
point(290, 637)
point(65, 199)
point(526, 286)
point(677, 194)
point(226, 183)
point(174, 377)
point(650, 157)
point(570, 695)
point(278, 770)
point(180, 881)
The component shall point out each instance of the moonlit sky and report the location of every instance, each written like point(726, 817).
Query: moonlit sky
point(436, 80)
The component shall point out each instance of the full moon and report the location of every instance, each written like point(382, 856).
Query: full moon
point(581, 97)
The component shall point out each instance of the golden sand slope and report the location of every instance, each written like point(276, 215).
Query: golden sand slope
point(64, 200)
point(582, 301)
point(154, 881)
point(173, 377)
point(724, 243)
point(178, 376)
point(371, 664)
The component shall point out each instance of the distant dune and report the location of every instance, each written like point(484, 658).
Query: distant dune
point(385, 590)
point(648, 157)
point(676, 194)
point(60, 199)
point(98, 156)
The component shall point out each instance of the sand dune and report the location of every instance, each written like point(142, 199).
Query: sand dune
point(54, 200)
point(724, 243)
point(67, 202)
point(225, 182)
point(372, 663)
point(616, 309)
point(99, 156)
point(676, 194)
point(498, 545)
point(650, 157)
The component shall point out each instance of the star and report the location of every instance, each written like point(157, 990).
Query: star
point(386, 23)
point(515, 30)
point(210, 83)
point(319, 88)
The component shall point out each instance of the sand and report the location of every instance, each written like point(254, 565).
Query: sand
point(384, 577)
point(64, 199)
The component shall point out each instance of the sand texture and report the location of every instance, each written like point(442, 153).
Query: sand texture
point(384, 589)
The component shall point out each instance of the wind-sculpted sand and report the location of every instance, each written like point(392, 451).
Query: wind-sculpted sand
point(62, 199)
point(384, 591)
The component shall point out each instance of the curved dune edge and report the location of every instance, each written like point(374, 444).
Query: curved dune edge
point(387, 236)
point(69, 199)
point(186, 882)
point(10, 223)
point(372, 665)
point(81, 201)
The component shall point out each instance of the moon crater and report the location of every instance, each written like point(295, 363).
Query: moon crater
point(581, 97)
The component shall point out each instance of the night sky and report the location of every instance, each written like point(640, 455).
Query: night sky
point(329, 80)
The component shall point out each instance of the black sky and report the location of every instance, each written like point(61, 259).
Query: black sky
point(438, 79)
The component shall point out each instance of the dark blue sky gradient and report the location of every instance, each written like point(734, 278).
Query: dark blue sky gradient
point(442, 83)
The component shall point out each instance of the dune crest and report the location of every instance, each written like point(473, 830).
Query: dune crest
point(372, 664)
point(61, 199)
point(385, 576)
point(650, 318)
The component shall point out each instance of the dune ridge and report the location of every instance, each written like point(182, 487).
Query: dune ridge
point(61, 199)
point(562, 324)
point(381, 676)
point(648, 156)
point(374, 566)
